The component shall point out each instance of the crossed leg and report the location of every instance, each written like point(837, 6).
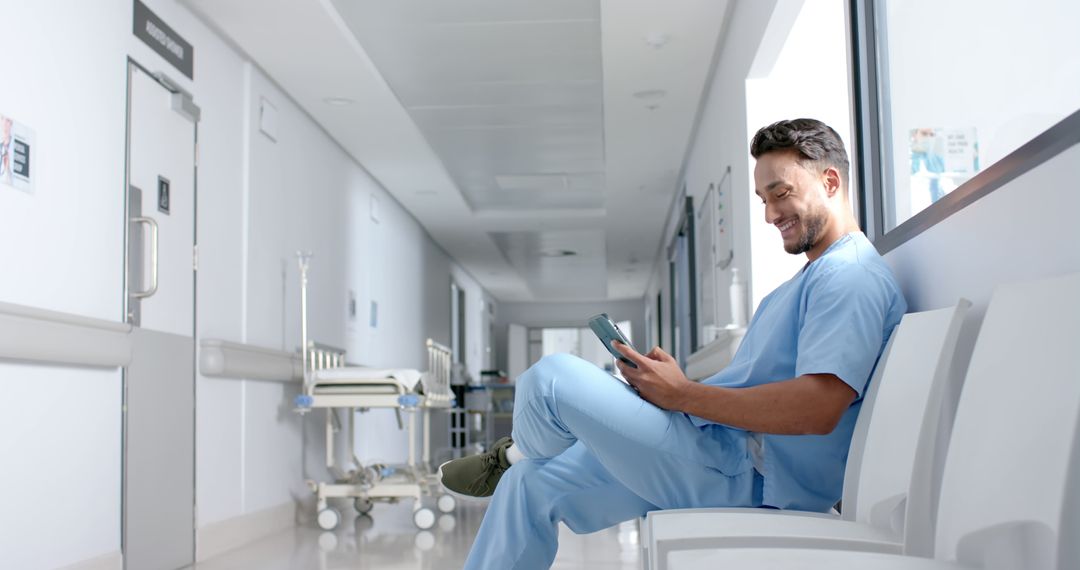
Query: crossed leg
point(597, 455)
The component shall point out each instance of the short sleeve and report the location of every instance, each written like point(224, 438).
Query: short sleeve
point(843, 328)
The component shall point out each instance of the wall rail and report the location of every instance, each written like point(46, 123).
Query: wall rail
point(53, 337)
point(226, 359)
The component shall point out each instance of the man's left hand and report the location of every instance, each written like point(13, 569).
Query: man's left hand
point(657, 377)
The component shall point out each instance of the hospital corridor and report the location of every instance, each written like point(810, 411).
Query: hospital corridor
point(529, 284)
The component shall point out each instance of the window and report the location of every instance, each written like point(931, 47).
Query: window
point(800, 70)
point(457, 322)
point(948, 89)
point(681, 259)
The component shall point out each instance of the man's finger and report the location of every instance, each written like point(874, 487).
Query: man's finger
point(628, 352)
point(661, 355)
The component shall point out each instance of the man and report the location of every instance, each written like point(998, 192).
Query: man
point(772, 429)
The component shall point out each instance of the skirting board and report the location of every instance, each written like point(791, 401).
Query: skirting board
point(223, 536)
point(110, 561)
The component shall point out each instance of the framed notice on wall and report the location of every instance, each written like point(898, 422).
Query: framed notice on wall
point(16, 146)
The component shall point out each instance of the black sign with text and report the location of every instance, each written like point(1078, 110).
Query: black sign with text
point(20, 164)
point(162, 195)
point(166, 42)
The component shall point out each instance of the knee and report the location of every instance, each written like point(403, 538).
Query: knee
point(559, 360)
point(547, 368)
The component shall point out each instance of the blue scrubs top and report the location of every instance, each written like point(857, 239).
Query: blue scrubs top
point(833, 317)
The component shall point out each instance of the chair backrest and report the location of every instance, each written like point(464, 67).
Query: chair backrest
point(901, 403)
point(1009, 494)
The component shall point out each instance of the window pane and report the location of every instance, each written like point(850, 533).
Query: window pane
point(965, 83)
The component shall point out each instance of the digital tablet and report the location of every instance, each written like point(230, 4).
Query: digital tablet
point(607, 331)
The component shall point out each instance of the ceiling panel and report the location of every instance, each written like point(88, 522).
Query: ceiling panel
point(513, 115)
point(476, 38)
point(409, 79)
point(531, 92)
point(448, 95)
point(468, 10)
point(549, 274)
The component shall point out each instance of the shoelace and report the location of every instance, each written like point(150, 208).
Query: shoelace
point(491, 464)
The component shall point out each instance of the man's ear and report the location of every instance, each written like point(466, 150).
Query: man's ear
point(831, 179)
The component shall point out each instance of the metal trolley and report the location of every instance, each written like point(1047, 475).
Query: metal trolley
point(332, 386)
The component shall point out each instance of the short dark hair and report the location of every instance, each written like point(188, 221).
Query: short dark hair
point(813, 140)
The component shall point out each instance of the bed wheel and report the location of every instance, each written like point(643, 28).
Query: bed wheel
point(328, 518)
point(363, 505)
point(424, 518)
point(446, 503)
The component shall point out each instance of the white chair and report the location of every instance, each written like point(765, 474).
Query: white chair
point(901, 407)
point(1010, 496)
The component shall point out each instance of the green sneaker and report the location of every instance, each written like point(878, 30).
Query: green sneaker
point(476, 475)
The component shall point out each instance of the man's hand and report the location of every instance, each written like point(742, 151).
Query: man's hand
point(657, 377)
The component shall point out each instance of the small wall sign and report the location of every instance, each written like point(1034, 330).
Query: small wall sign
point(163, 195)
point(16, 142)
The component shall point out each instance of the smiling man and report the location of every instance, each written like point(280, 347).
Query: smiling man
point(772, 429)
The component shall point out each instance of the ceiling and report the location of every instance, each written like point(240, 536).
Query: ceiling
point(539, 142)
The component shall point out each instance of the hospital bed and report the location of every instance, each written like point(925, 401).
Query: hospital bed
point(334, 387)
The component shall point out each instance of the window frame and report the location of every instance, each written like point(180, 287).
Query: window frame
point(873, 172)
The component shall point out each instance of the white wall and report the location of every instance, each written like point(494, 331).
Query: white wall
point(259, 201)
point(1003, 237)
point(722, 140)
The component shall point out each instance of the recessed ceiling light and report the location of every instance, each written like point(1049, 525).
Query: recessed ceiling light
point(650, 94)
point(657, 40)
point(338, 101)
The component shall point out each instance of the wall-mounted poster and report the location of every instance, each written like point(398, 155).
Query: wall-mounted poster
point(16, 142)
point(941, 160)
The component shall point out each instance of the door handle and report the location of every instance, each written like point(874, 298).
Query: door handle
point(152, 224)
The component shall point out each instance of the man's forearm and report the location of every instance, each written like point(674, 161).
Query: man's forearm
point(811, 404)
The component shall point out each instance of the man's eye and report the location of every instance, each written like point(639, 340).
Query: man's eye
point(783, 194)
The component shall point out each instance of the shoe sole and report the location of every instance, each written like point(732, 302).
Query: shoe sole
point(457, 495)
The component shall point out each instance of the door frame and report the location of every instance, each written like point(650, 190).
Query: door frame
point(192, 112)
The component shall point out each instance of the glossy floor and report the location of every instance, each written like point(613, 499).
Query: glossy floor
point(388, 540)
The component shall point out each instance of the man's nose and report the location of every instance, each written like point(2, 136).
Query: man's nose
point(771, 213)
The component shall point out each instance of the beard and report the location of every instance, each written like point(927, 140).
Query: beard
point(810, 236)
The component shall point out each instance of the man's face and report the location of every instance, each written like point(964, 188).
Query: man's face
point(794, 198)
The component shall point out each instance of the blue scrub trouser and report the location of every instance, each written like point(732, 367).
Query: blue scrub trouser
point(598, 454)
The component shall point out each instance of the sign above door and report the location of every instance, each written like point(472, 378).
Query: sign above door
point(153, 31)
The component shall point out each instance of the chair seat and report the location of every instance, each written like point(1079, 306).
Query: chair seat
point(725, 528)
point(801, 558)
